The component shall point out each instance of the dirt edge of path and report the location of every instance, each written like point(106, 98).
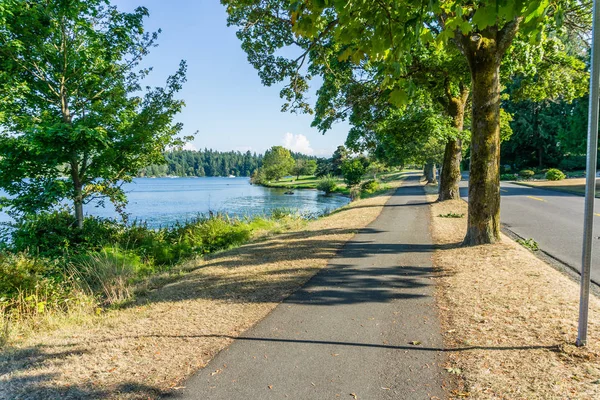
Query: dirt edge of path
point(510, 320)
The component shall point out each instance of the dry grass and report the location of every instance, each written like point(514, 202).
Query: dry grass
point(152, 346)
point(512, 319)
point(573, 185)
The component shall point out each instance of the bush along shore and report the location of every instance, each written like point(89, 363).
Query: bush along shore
point(48, 266)
point(380, 183)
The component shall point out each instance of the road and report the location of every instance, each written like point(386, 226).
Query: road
point(553, 219)
point(365, 327)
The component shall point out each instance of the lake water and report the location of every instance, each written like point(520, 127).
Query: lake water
point(163, 201)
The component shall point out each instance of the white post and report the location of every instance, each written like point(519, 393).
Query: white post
point(590, 186)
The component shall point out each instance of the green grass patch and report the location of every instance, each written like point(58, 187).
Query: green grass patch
point(451, 215)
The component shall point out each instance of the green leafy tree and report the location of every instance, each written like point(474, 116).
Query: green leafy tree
point(310, 167)
point(77, 109)
point(277, 163)
point(353, 170)
point(304, 167)
point(337, 160)
point(384, 32)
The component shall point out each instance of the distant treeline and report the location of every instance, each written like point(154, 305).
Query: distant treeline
point(209, 162)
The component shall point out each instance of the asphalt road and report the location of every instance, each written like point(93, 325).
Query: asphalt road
point(365, 327)
point(553, 219)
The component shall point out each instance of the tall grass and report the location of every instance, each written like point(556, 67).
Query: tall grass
point(105, 267)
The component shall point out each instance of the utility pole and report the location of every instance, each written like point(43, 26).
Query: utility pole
point(590, 185)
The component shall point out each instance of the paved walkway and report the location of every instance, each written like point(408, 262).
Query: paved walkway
point(365, 327)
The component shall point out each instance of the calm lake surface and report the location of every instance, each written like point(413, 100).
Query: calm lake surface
point(163, 201)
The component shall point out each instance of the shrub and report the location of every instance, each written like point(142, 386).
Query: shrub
point(526, 173)
point(21, 272)
point(281, 213)
point(554, 174)
point(52, 234)
point(327, 185)
point(571, 163)
point(370, 187)
point(355, 193)
point(353, 171)
point(206, 235)
point(507, 177)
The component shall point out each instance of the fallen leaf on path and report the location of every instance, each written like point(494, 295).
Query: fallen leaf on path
point(415, 342)
point(354, 395)
point(453, 370)
point(216, 372)
point(270, 386)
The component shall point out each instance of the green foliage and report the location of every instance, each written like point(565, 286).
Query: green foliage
point(109, 272)
point(529, 244)
point(340, 155)
point(416, 135)
point(508, 177)
point(327, 185)
point(370, 187)
point(52, 234)
point(277, 163)
point(572, 163)
point(78, 109)
point(304, 167)
point(209, 162)
point(22, 272)
point(324, 168)
point(353, 170)
point(554, 174)
point(526, 173)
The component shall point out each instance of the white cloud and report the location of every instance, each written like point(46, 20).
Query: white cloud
point(189, 146)
point(297, 143)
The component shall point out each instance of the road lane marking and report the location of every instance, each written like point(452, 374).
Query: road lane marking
point(503, 190)
point(535, 198)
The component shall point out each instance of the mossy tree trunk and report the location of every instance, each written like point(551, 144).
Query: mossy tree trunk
point(450, 176)
point(430, 173)
point(484, 52)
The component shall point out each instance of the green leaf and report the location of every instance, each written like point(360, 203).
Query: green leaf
point(399, 97)
point(485, 16)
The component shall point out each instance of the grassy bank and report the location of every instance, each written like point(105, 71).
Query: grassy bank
point(510, 320)
point(180, 319)
point(312, 182)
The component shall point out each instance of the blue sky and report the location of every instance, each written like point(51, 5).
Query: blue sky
point(225, 100)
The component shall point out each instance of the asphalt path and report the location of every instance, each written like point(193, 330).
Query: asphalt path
point(553, 219)
point(365, 327)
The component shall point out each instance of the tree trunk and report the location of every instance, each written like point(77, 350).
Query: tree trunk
point(79, 213)
point(484, 181)
point(77, 193)
point(430, 173)
point(450, 176)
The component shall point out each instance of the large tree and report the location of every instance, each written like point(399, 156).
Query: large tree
point(385, 31)
point(76, 122)
point(277, 163)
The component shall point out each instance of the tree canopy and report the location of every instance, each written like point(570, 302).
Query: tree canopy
point(381, 37)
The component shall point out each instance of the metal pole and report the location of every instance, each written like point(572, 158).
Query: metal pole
point(590, 185)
